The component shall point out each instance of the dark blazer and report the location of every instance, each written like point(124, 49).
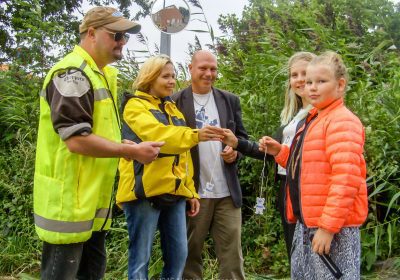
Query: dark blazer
point(230, 116)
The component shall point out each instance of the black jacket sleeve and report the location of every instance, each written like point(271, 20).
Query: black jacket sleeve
point(250, 148)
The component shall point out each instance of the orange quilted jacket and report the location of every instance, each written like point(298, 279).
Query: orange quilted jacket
point(333, 192)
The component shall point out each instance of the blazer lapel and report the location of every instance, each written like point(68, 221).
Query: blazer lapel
point(222, 105)
point(188, 107)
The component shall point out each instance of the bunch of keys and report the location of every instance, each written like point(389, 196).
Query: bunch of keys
point(260, 205)
point(260, 201)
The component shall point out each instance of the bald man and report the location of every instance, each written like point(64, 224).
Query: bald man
point(215, 171)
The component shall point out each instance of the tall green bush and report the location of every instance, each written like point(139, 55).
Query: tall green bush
point(19, 110)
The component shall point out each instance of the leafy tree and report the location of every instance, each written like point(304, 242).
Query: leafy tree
point(36, 32)
point(32, 30)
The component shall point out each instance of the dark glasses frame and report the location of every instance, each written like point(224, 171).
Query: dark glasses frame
point(118, 36)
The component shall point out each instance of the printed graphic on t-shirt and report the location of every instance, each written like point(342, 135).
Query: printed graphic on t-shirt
point(202, 119)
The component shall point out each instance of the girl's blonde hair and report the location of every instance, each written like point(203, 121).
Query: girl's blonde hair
point(293, 102)
point(149, 72)
point(335, 61)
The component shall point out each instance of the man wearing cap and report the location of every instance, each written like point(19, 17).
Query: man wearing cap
point(78, 147)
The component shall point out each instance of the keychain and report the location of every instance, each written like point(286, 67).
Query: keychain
point(260, 205)
point(260, 201)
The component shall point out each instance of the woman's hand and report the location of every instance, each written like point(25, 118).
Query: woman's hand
point(229, 138)
point(194, 207)
point(269, 145)
point(322, 241)
point(211, 133)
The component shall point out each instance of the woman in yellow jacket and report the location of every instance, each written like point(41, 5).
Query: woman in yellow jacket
point(155, 195)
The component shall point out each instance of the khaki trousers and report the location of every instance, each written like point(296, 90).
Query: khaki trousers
point(223, 221)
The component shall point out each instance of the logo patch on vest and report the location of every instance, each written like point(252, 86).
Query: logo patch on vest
point(71, 83)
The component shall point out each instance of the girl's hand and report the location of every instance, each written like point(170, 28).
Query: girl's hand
point(322, 241)
point(229, 138)
point(269, 145)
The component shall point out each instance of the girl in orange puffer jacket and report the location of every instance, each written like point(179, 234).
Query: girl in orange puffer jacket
point(326, 171)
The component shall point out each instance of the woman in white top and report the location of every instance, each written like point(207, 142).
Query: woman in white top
point(292, 118)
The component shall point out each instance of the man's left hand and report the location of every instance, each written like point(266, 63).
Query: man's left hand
point(229, 154)
point(194, 207)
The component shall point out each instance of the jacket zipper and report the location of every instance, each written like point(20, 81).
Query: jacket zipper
point(119, 125)
point(113, 101)
point(307, 125)
point(298, 181)
point(177, 157)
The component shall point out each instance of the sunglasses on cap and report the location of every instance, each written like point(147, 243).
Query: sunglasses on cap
point(118, 36)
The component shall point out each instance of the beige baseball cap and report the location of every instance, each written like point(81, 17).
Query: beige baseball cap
point(109, 18)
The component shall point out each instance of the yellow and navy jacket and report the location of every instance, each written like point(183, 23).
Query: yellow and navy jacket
point(72, 192)
point(149, 118)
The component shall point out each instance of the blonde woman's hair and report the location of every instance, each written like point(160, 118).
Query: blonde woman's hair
point(335, 61)
point(149, 72)
point(293, 102)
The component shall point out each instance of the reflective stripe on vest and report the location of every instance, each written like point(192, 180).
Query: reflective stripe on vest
point(69, 227)
point(83, 65)
point(101, 93)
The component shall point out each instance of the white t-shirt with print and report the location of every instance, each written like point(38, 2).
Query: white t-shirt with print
point(211, 162)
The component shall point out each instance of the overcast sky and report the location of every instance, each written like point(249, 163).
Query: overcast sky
point(179, 42)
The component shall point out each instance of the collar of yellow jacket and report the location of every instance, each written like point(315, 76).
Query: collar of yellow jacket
point(84, 54)
point(153, 99)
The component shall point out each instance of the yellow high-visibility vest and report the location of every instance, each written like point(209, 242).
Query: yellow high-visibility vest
point(72, 192)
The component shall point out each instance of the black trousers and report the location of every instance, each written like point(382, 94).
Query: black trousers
point(83, 261)
point(288, 229)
